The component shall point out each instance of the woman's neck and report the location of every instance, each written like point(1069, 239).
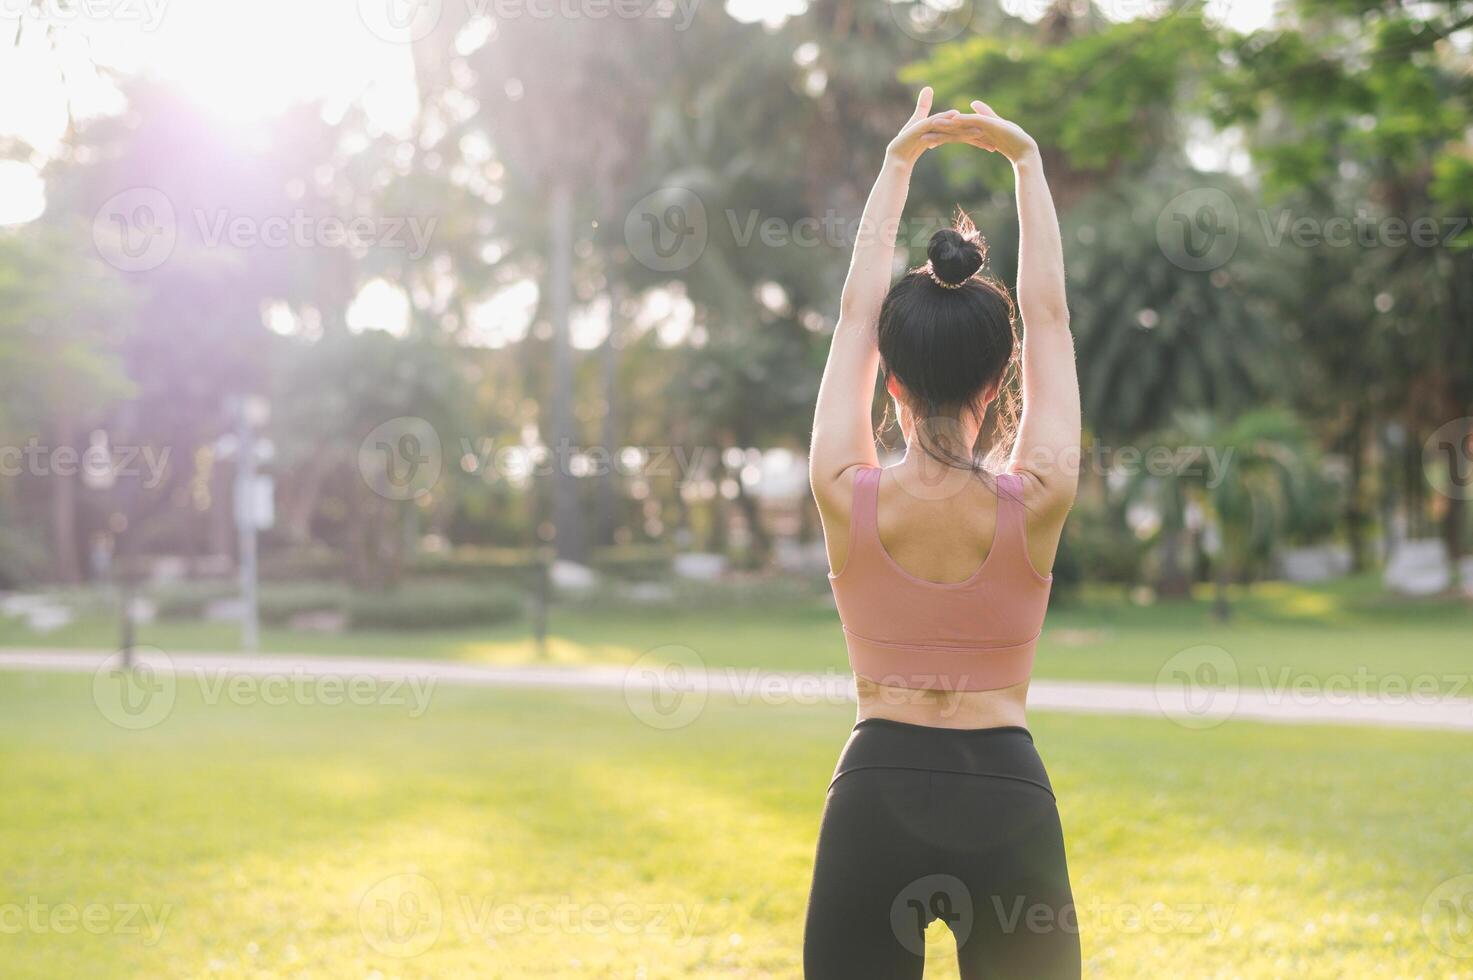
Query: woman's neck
point(921, 474)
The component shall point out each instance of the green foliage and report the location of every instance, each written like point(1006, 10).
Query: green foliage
point(1346, 106)
point(434, 606)
point(1155, 339)
point(22, 557)
point(279, 603)
point(301, 564)
point(1100, 100)
point(757, 593)
point(190, 600)
point(1097, 546)
point(63, 314)
point(634, 563)
point(506, 566)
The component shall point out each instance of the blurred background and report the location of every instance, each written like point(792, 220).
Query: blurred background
point(485, 334)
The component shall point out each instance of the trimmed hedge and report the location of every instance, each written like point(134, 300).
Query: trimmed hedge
point(189, 600)
point(755, 591)
point(429, 606)
point(280, 602)
point(518, 566)
point(301, 564)
point(633, 563)
point(504, 566)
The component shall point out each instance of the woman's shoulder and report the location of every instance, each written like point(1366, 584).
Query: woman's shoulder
point(1043, 499)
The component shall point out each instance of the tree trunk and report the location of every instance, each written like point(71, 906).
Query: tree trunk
point(66, 564)
point(1355, 515)
point(1452, 535)
point(1172, 581)
point(1454, 521)
point(306, 491)
point(567, 517)
point(752, 512)
point(221, 523)
point(608, 498)
point(1222, 610)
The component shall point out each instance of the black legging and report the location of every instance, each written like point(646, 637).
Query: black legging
point(925, 823)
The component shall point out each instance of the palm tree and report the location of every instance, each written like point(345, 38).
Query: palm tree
point(1251, 479)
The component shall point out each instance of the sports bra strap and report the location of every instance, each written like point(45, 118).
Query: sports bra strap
point(863, 515)
point(1010, 538)
point(1012, 515)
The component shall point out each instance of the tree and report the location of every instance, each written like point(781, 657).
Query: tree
point(1374, 98)
point(63, 319)
point(1251, 478)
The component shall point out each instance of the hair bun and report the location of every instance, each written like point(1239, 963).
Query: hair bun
point(956, 254)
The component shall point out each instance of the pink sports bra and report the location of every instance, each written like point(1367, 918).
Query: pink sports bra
point(974, 635)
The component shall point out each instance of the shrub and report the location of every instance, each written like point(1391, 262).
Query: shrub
point(299, 564)
point(280, 602)
point(434, 605)
point(511, 567)
point(189, 600)
point(633, 563)
point(739, 591)
point(1097, 546)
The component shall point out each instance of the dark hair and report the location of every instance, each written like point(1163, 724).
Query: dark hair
point(947, 333)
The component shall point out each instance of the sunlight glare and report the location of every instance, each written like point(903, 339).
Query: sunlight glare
point(246, 61)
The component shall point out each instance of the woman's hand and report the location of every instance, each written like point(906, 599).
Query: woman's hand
point(986, 129)
point(922, 131)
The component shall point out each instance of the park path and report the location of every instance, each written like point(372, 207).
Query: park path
point(1200, 708)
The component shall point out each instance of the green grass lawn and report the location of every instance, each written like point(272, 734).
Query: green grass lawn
point(553, 835)
point(1315, 632)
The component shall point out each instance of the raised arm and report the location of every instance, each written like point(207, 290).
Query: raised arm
point(1047, 448)
point(842, 435)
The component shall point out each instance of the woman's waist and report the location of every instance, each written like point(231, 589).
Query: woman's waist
point(1000, 751)
point(942, 707)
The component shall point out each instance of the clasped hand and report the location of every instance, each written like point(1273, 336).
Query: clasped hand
point(982, 128)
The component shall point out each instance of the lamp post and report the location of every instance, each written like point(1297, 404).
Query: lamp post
point(254, 495)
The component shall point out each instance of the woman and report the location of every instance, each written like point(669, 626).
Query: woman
point(940, 806)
